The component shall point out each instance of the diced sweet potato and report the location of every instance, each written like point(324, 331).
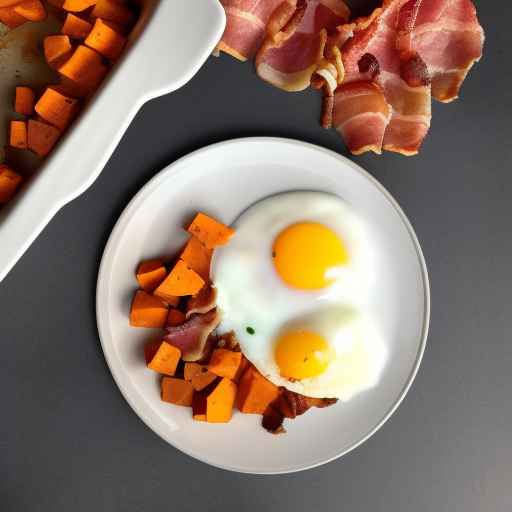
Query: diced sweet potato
point(41, 137)
point(9, 17)
point(56, 49)
point(219, 403)
point(85, 67)
point(166, 359)
point(18, 135)
point(113, 10)
point(150, 274)
point(225, 363)
point(177, 391)
point(198, 375)
point(24, 102)
point(32, 10)
point(147, 311)
point(150, 349)
point(175, 317)
point(199, 407)
point(180, 282)
point(192, 369)
point(76, 27)
point(203, 379)
point(209, 231)
point(9, 182)
point(244, 365)
point(56, 108)
point(197, 257)
point(105, 40)
point(72, 89)
point(78, 5)
point(255, 392)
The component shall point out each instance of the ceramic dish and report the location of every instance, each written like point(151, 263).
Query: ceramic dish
point(169, 44)
point(223, 180)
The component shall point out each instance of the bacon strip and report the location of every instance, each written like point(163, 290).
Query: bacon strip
point(192, 337)
point(411, 49)
point(295, 46)
point(447, 36)
point(410, 105)
point(246, 22)
point(361, 115)
point(290, 405)
point(203, 302)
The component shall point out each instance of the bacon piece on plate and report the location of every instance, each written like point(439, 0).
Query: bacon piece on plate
point(203, 302)
point(246, 23)
point(290, 405)
point(361, 115)
point(294, 48)
point(447, 36)
point(193, 337)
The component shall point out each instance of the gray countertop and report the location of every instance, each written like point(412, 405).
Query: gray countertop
point(70, 442)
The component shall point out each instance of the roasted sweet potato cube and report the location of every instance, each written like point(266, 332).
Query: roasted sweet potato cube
point(209, 231)
point(105, 40)
point(180, 282)
point(147, 311)
point(150, 274)
point(219, 403)
point(177, 391)
point(9, 182)
point(197, 257)
point(166, 359)
point(255, 392)
point(225, 363)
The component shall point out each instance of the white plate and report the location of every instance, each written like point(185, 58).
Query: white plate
point(223, 180)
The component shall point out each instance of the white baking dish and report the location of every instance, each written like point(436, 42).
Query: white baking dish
point(171, 41)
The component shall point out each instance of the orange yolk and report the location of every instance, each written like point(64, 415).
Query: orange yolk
point(304, 252)
point(302, 354)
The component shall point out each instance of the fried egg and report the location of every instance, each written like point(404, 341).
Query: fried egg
point(293, 285)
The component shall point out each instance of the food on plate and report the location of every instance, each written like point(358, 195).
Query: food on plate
point(93, 36)
point(309, 265)
point(378, 73)
point(150, 274)
point(279, 324)
point(148, 310)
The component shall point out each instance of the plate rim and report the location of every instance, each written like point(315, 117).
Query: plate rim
point(104, 278)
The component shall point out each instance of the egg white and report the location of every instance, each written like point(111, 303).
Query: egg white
point(257, 305)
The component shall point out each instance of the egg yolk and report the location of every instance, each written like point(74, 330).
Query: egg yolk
point(302, 354)
point(304, 252)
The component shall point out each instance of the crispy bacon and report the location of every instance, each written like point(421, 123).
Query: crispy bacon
point(411, 49)
point(290, 405)
point(246, 22)
point(203, 302)
point(294, 49)
point(447, 36)
point(361, 115)
point(423, 47)
point(369, 65)
point(410, 106)
point(193, 337)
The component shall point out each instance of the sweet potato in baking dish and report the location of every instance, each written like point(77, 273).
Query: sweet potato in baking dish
point(92, 35)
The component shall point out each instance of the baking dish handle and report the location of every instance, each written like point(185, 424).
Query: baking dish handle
point(172, 41)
